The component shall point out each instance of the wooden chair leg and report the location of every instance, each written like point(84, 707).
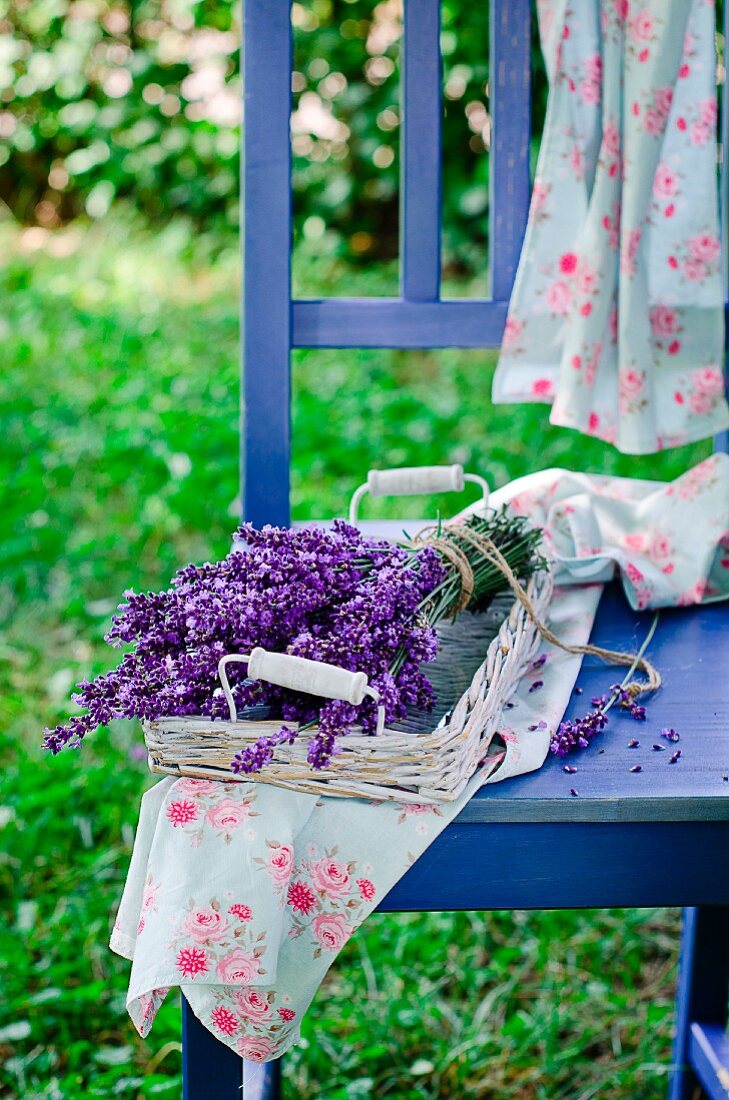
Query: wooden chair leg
point(699, 1053)
point(262, 1082)
point(209, 1069)
point(212, 1071)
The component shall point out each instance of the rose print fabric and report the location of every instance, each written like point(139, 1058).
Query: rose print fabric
point(243, 894)
point(667, 541)
point(617, 311)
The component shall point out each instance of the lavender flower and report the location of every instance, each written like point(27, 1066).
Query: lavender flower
point(572, 735)
point(627, 701)
point(329, 595)
point(577, 734)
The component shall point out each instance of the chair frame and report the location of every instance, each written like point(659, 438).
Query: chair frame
point(273, 324)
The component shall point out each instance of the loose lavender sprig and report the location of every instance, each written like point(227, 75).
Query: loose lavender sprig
point(572, 735)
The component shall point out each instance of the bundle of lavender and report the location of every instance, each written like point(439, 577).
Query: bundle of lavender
point(329, 595)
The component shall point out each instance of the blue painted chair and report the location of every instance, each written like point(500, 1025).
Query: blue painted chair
point(663, 841)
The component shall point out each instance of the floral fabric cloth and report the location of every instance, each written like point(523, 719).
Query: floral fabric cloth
point(243, 894)
point(617, 311)
point(667, 541)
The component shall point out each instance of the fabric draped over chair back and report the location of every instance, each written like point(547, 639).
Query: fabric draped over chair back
point(617, 313)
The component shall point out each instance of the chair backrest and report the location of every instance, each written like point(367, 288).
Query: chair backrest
point(273, 322)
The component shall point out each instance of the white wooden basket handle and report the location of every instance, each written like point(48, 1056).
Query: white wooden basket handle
point(412, 480)
point(301, 674)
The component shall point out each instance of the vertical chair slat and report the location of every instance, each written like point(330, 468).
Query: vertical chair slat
point(723, 157)
point(703, 981)
point(509, 83)
point(266, 322)
point(420, 182)
point(721, 443)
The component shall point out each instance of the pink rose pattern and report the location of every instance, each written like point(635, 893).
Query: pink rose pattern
point(327, 899)
point(620, 284)
point(219, 943)
point(200, 808)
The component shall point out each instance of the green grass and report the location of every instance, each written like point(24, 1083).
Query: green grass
point(118, 421)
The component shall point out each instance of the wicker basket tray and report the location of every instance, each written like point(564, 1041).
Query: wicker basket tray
point(428, 758)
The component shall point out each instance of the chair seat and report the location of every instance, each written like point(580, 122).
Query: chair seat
point(656, 837)
point(691, 651)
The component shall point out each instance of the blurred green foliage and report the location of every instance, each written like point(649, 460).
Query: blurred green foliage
point(103, 99)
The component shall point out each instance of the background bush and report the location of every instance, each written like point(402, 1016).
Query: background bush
point(103, 99)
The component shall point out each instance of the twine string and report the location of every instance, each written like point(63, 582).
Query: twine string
point(431, 536)
point(459, 559)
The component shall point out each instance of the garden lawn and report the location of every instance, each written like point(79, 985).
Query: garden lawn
point(119, 422)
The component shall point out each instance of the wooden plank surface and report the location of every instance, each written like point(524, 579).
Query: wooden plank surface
point(580, 865)
point(703, 982)
point(691, 650)
point(710, 1057)
point(209, 1068)
point(393, 323)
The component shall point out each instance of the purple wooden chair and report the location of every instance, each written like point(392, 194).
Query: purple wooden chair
point(660, 843)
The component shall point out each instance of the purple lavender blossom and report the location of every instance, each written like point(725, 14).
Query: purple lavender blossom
point(326, 594)
point(577, 734)
point(627, 702)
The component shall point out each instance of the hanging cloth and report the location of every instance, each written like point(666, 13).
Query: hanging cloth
point(617, 312)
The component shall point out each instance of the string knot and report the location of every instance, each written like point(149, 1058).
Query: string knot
point(449, 548)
